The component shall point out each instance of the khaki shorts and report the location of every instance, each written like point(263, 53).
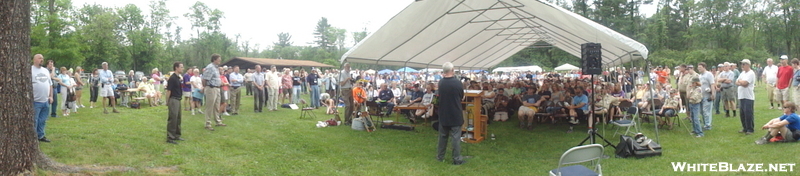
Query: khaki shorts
point(187, 94)
point(525, 109)
point(771, 92)
point(782, 95)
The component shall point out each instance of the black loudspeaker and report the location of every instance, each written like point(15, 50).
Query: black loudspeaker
point(592, 60)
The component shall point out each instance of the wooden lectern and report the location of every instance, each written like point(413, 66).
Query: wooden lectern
point(472, 116)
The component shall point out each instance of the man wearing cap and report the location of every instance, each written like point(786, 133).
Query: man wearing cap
point(312, 81)
point(771, 76)
point(695, 96)
point(746, 97)
point(785, 72)
point(211, 89)
point(706, 84)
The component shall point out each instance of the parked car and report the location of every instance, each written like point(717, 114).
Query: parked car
point(121, 75)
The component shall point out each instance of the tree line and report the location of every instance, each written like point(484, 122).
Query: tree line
point(129, 39)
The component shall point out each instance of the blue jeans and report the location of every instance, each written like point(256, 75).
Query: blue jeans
point(40, 110)
point(716, 102)
point(315, 96)
point(296, 94)
point(389, 107)
point(705, 110)
point(54, 105)
point(695, 111)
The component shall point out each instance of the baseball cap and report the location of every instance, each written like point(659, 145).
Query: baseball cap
point(784, 57)
point(690, 66)
point(695, 79)
point(747, 61)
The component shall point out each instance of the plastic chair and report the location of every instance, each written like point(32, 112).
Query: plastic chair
point(580, 154)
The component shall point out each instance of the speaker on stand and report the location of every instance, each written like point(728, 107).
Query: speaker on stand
point(591, 58)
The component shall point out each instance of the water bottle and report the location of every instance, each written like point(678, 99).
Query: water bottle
point(492, 136)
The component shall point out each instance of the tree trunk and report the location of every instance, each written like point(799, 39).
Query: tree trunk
point(18, 145)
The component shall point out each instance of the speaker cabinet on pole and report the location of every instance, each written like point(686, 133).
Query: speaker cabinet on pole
point(591, 58)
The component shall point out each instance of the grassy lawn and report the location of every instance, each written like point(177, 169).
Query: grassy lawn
point(279, 143)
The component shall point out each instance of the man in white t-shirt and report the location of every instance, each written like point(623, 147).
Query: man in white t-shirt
point(771, 76)
point(42, 95)
point(745, 83)
point(106, 91)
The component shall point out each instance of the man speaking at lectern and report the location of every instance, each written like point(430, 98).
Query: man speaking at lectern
point(450, 119)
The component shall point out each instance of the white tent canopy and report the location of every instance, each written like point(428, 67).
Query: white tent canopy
point(566, 67)
point(532, 68)
point(479, 34)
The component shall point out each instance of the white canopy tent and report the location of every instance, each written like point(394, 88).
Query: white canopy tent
point(532, 68)
point(566, 67)
point(479, 34)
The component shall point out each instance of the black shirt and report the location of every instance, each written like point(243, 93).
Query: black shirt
point(450, 93)
point(312, 79)
point(174, 86)
point(295, 81)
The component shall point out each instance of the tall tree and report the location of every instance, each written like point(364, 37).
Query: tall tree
point(322, 34)
point(17, 139)
point(284, 40)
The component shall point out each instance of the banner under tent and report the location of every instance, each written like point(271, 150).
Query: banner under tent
point(479, 34)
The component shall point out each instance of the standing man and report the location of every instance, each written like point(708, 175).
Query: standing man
point(785, 72)
point(451, 91)
point(248, 82)
point(186, 85)
point(273, 86)
point(174, 104)
point(796, 81)
point(771, 76)
point(707, 86)
point(746, 96)
point(258, 90)
point(312, 81)
point(237, 81)
point(106, 91)
point(211, 89)
point(42, 95)
point(346, 92)
point(330, 85)
point(54, 80)
point(727, 83)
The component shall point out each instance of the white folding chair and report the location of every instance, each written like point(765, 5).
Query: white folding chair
point(587, 153)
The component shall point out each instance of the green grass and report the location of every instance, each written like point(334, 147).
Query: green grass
point(279, 143)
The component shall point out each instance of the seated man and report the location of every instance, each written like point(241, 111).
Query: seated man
point(669, 109)
point(530, 105)
point(784, 128)
point(386, 99)
point(579, 106)
point(148, 91)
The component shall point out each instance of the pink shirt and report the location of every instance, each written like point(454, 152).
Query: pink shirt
point(224, 81)
point(287, 81)
point(157, 78)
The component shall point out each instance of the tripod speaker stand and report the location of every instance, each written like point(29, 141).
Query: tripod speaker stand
point(592, 64)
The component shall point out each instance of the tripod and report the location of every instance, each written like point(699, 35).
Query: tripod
point(592, 131)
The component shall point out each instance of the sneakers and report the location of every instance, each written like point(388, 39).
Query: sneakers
point(226, 114)
point(762, 141)
point(221, 124)
point(192, 112)
point(199, 111)
point(772, 107)
point(209, 128)
point(573, 120)
point(698, 136)
point(459, 162)
point(776, 139)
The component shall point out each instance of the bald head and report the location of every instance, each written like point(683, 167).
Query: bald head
point(37, 60)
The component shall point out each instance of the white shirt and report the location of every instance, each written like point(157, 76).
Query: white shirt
point(273, 80)
point(746, 92)
point(41, 84)
point(771, 72)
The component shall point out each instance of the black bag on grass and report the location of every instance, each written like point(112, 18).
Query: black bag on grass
point(624, 148)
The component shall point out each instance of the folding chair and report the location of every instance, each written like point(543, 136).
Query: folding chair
point(580, 154)
point(624, 121)
point(306, 111)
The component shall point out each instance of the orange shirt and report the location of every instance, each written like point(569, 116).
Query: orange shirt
point(359, 94)
point(662, 76)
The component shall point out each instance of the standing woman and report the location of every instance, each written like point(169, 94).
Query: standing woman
point(156, 77)
point(79, 86)
point(94, 83)
point(66, 87)
point(296, 87)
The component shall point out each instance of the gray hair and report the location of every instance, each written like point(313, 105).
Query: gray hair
point(447, 67)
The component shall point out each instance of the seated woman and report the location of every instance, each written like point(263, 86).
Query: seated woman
point(671, 106)
point(784, 128)
point(501, 106)
point(427, 100)
point(148, 91)
point(617, 96)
